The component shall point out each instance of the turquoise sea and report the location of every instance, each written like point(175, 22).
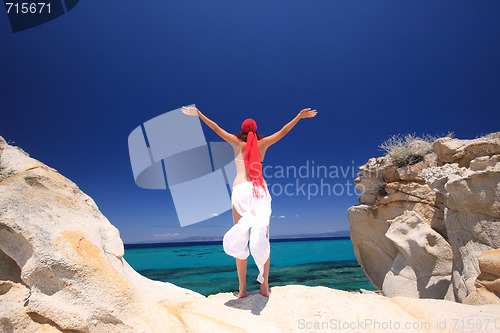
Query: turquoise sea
point(207, 270)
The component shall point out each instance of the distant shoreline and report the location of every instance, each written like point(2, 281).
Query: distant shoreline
point(219, 242)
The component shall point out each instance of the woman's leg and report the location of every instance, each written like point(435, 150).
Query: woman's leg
point(236, 215)
point(241, 265)
point(264, 286)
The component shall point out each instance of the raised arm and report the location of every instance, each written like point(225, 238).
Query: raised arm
point(272, 139)
point(192, 111)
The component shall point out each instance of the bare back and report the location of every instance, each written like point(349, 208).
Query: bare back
point(239, 151)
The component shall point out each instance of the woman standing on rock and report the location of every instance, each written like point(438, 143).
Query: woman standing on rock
point(250, 197)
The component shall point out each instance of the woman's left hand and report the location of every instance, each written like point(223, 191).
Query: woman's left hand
point(308, 113)
point(190, 110)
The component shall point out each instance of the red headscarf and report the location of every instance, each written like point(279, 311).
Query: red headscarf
point(251, 156)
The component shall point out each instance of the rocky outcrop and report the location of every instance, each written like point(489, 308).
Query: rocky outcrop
point(488, 282)
point(61, 261)
point(420, 229)
point(62, 270)
point(471, 210)
point(298, 308)
point(464, 151)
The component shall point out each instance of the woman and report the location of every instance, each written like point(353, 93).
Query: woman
point(250, 198)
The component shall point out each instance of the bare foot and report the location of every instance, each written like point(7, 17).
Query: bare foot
point(264, 290)
point(242, 293)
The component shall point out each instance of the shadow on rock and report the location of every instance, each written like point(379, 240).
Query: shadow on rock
point(255, 302)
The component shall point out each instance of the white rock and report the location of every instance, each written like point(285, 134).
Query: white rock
point(374, 251)
point(451, 150)
point(70, 258)
point(461, 219)
point(320, 309)
point(488, 282)
point(484, 162)
point(423, 266)
point(62, 269)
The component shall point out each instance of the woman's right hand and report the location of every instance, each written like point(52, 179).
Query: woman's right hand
point(190, 110)
point(308, 113)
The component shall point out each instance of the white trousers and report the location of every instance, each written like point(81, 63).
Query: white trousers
point(252, 226)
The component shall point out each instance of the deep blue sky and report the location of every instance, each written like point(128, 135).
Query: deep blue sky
point(72, 90)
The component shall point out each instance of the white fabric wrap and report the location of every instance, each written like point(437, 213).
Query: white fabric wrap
point(252, 226)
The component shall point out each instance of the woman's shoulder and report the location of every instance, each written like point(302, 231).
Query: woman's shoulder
point(240, 144)
point(238, 147)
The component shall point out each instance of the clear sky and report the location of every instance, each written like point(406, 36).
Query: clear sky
point(73, 89)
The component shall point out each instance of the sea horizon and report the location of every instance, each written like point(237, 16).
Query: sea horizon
point(181, 243)
point(214, 240)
